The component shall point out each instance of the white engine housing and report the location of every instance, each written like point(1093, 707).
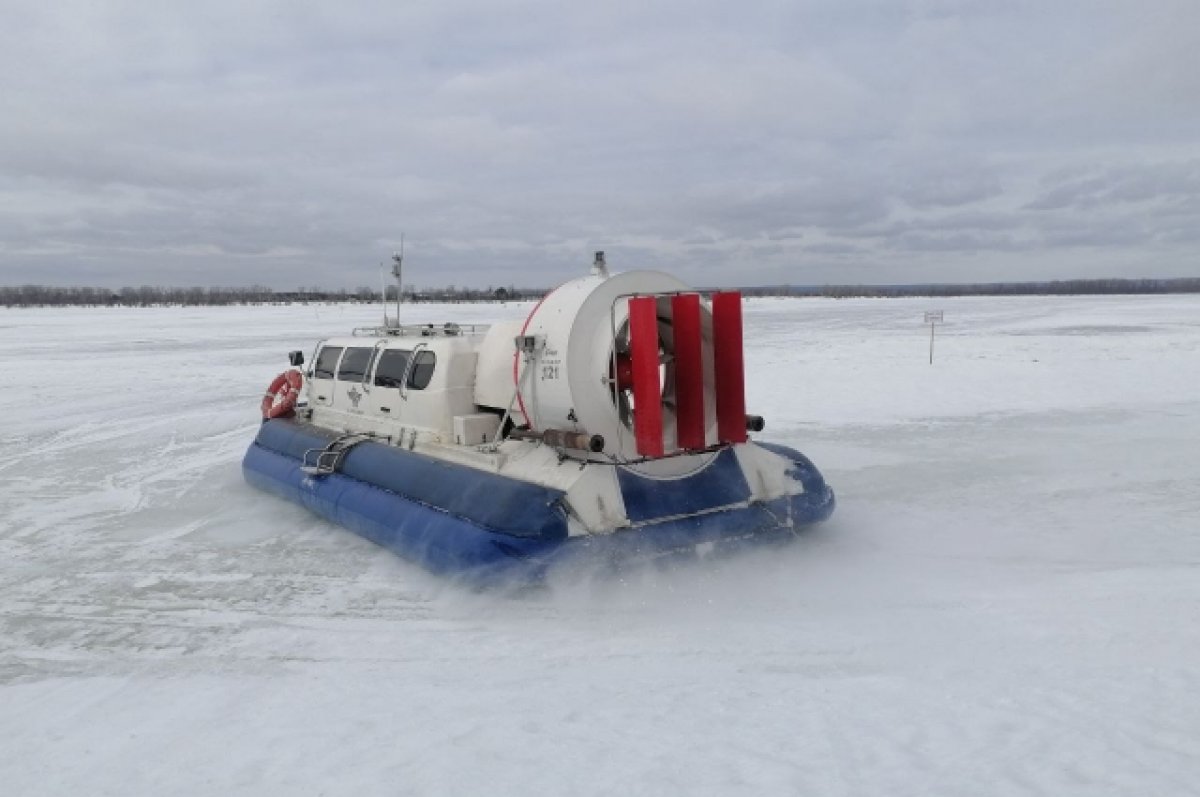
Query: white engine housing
point(565, 382)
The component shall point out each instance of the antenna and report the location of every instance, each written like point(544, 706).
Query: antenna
point(397, 264)
point(383, 295)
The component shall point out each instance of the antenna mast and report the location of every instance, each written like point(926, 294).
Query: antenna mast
point(383, 296)
point(397, 263)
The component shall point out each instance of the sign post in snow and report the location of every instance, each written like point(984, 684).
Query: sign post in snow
point(933, 318)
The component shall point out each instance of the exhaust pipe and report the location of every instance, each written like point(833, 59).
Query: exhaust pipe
point(559, 438)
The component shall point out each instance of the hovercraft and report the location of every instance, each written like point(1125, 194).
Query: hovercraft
point(608, 425)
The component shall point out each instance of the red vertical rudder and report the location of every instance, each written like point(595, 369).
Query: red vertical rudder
point(689, 371)
point(647, 393)
point(729, 367)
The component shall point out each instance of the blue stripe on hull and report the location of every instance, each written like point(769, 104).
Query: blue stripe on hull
point(437, 540)
point(725, 530)
point(449, 543)
point(719, 483)
point(494, 502)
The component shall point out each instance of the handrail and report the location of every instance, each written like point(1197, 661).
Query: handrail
point(366, 386)
point(412, 359)
point(312, 363)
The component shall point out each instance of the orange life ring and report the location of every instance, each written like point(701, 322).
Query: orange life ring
point(280, 399)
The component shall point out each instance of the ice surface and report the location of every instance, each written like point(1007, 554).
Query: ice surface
point(1005, 602)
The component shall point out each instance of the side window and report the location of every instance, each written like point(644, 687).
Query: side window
point(355, 364)
point(390, 369)
point(326, 362)
point(422, 370)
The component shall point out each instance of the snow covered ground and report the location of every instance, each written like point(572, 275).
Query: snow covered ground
point(1006, 601)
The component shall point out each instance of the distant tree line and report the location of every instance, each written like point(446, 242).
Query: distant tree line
point(147, 295)
point(1080, 287)
point(144, 296)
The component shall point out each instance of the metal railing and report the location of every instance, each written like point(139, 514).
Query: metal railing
point(446, 330)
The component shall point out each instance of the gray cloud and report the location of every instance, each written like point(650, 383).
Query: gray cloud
point(1142, 183)
point(805, 141)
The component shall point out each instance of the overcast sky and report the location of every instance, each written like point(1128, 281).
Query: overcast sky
point(807, 141)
